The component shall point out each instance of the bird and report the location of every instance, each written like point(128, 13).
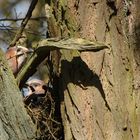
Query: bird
point(38, 86)
point(16, 56)
point(33, 89)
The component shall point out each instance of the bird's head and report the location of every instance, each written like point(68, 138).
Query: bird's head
point(38, 86)
point(33, 91)
point(16, 56)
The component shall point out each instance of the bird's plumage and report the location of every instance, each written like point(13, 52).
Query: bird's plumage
point(16, 57)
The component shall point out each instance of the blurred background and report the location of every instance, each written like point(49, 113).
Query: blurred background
point(12, 13)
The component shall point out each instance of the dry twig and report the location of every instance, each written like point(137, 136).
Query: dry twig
point(24, 22)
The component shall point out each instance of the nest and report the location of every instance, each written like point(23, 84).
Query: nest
point(46, 117)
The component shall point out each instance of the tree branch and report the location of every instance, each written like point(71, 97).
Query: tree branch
point(18, 19)
point(43, 48)
point(24, 22)
point(79, 44)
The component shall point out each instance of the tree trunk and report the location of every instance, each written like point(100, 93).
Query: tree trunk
point(15, 124)
point(99, 90)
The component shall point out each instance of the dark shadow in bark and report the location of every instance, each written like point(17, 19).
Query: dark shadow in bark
point(112, 5)
point(137, 47)
point(136, 52)
point(78, 73)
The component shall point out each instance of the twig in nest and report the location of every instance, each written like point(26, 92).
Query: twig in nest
point(45, 123)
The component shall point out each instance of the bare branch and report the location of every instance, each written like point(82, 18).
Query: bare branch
point(19, 19)
point(24, 22)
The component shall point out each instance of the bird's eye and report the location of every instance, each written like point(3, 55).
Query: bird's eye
point(32, 88)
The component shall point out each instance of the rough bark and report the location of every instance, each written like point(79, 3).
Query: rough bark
point(15, 124)
point(99, 90)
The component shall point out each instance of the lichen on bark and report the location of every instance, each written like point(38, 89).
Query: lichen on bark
point(15, 123)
